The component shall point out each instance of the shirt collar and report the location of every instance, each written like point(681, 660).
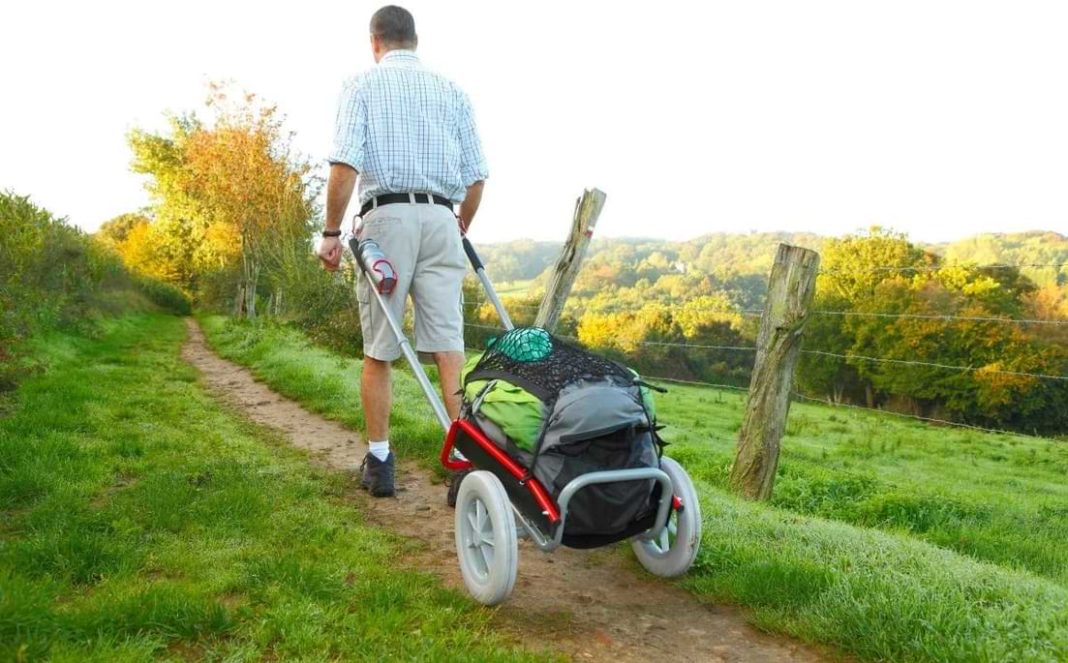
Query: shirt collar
point(400, 56)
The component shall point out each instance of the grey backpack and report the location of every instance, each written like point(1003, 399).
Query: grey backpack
point(597, 417)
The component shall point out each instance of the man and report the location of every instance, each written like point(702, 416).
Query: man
point(408, 136)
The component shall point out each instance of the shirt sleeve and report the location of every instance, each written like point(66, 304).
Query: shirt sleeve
point(350, 128)
point(472, 161)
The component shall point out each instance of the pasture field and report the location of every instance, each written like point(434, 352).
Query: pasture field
point(887, 538)
point(141, 520)
point(521, 288)
point(997, 498)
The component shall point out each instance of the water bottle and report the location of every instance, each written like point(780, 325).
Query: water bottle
point(376, 265)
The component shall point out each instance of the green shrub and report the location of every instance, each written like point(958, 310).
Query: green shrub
point(53, 275)
point(164, 295)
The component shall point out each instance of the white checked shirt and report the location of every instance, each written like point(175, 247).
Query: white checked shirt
point(406, 129)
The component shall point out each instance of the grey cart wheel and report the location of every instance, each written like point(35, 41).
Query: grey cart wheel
point(486, 541)
point(672, 552)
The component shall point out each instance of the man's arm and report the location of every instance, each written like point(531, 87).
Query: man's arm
point(470, 205)
point(339, 188)
point(345, 159)
point(472, 163)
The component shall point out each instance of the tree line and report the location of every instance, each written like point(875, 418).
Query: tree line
point(234, 211)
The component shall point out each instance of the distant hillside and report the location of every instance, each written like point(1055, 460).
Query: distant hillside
point(719, 253)
point(1041, 250)
point(731, 255)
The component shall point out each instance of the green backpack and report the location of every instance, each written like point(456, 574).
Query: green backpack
point(518, 412)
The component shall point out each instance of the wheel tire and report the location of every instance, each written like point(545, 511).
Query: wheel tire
point(672, 553)
point(486, 541)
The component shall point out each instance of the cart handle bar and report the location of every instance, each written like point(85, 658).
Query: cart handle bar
point(480, 272)
point(469, 249)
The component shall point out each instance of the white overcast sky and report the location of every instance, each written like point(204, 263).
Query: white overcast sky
point(940, 119)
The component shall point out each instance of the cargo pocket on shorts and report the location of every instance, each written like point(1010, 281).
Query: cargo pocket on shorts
point(363, 301)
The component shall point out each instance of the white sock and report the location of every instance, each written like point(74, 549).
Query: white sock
point(379, 450)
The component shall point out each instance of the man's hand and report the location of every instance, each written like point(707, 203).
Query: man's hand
point(330, 253)
point(338, 192)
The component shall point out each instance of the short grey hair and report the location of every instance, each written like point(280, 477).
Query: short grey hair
point(394, 25)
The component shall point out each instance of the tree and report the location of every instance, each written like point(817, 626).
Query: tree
point(824, 374)
point(904, 330)
point(854, 265)
point(115, 232)
point(236, 197)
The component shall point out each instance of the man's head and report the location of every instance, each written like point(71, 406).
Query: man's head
point(392, 27)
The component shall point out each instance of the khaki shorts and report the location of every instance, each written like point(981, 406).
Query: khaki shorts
point(423, 243)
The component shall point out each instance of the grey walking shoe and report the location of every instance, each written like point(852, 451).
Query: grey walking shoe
point(377, 475)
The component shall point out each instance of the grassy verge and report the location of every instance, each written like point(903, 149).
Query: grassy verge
point(139, 520)
point(878, 590)
point(998, 498)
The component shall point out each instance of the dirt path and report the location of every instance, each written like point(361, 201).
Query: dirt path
point(587, 604)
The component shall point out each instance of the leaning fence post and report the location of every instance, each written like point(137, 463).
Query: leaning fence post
point(587, 210)
point(790, 289)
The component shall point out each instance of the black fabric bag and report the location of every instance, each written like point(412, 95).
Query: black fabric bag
point(597, 419)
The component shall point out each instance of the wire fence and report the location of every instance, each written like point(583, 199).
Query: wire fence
point(852, 358)
point(910, 362)
point(902, 415)
point(798, 396)
point(940, 317)
point(695, 383)
point(921, 269)
point(624, 308)
point(824, 353)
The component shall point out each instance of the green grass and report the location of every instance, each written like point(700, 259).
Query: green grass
point(998, 498)
point(880, 596)
point(890, 540)
point(520, 288)
point(139, 520)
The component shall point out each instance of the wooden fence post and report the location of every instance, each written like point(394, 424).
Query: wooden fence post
point(587, 210)
point(790, 289)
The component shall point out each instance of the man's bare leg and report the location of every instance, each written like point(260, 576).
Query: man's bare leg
point(376, 393)
point(377, 396)
point(449, 366)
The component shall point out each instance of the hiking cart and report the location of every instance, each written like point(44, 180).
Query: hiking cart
point(591, 471)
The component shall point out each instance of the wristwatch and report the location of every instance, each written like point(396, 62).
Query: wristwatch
point(331, 233)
